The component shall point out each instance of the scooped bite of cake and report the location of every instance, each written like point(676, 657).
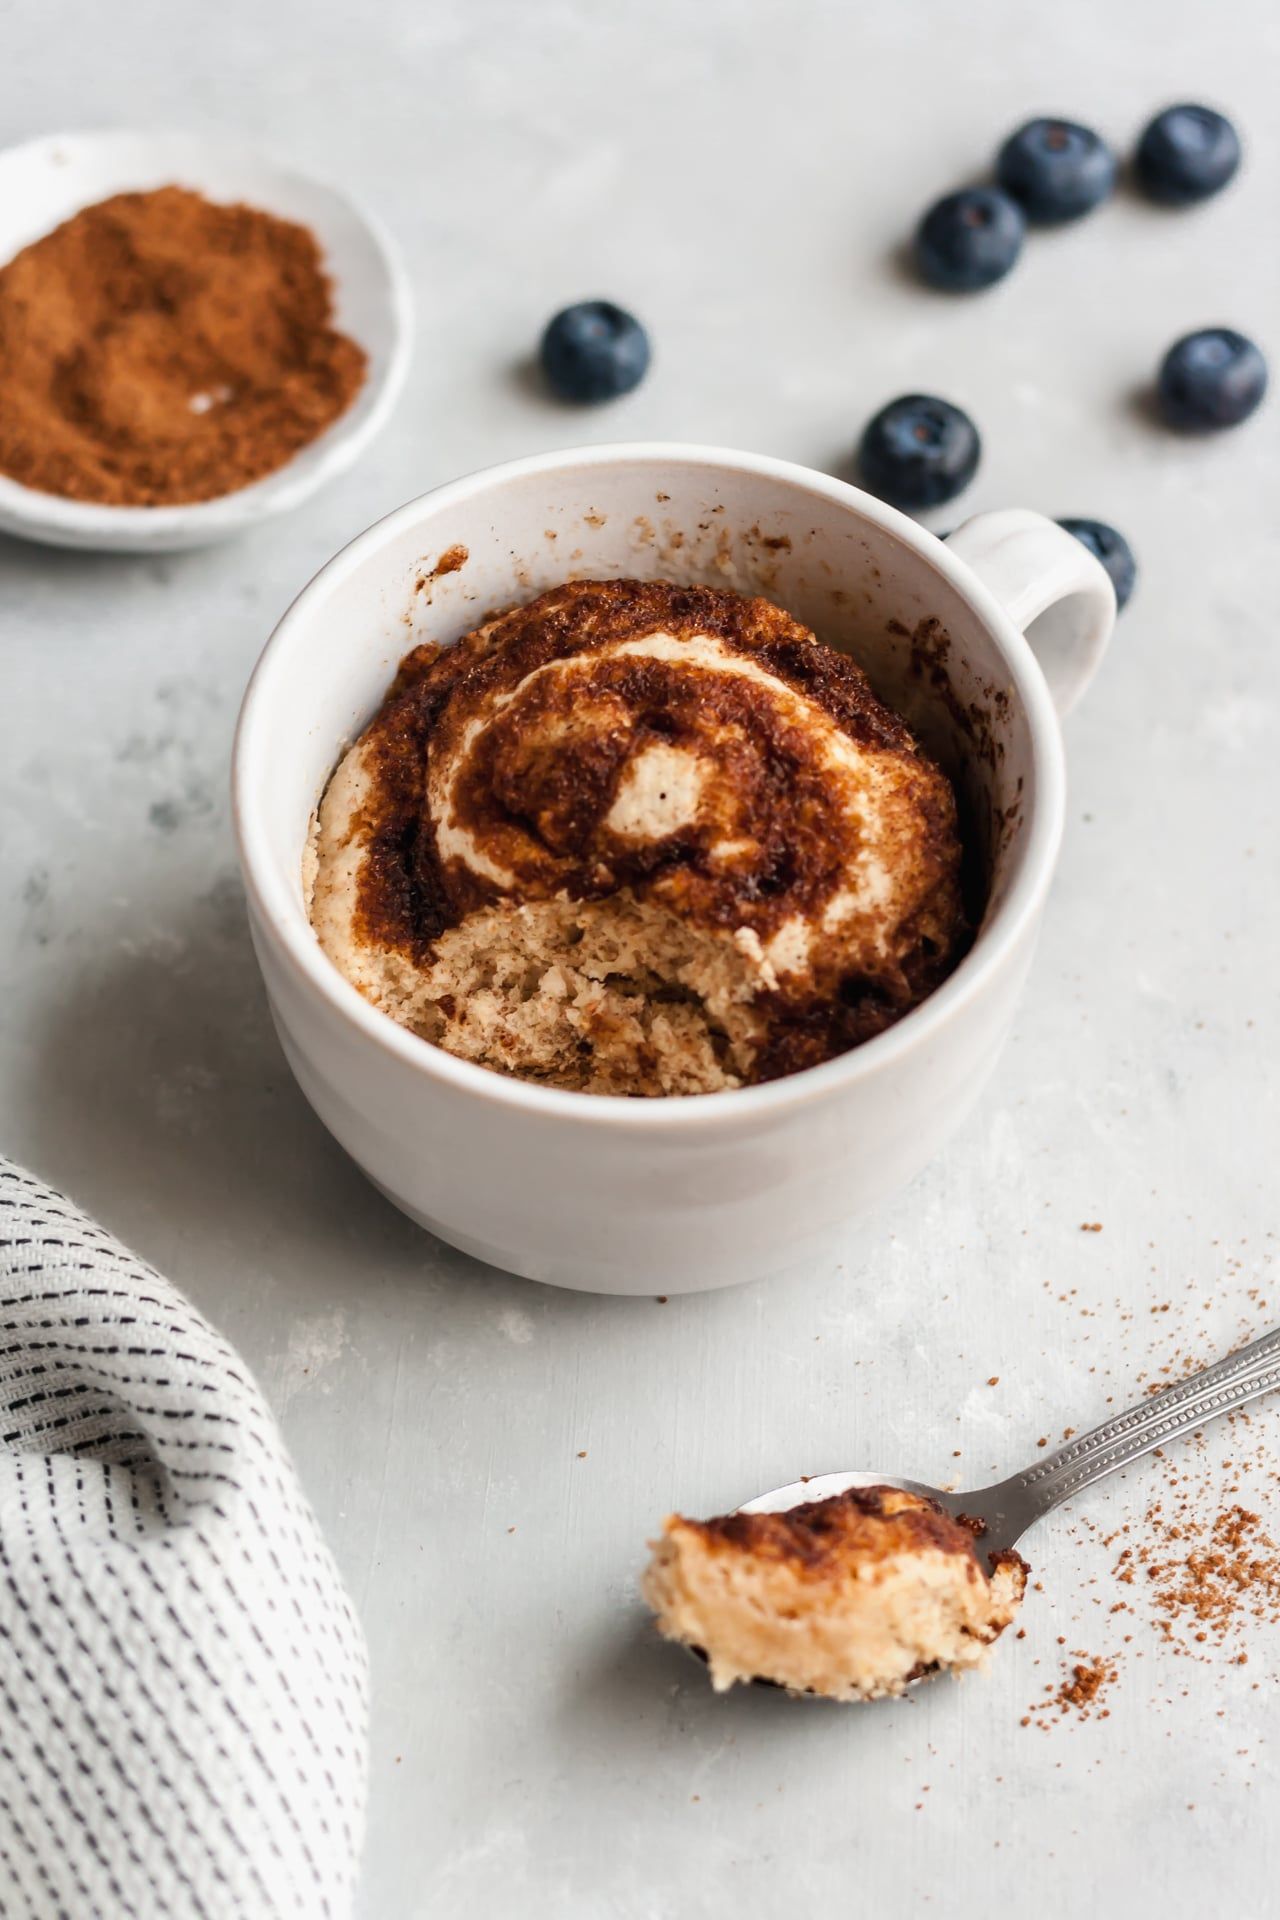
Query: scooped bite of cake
point(851, 1597)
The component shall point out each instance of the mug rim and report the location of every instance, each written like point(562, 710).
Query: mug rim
point(283, 918)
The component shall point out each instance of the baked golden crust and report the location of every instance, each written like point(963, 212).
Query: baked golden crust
point(851, 1597)
point(820, 1539)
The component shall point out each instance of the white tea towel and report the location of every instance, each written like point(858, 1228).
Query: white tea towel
point(182, 1678)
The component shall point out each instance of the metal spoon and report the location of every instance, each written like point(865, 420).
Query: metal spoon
point(1007, 1509)
point(1011, 1506)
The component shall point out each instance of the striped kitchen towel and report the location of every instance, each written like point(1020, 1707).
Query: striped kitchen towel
point(182, 1678)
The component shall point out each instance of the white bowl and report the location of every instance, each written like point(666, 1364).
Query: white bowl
point(668, 1196)
point(46, 181)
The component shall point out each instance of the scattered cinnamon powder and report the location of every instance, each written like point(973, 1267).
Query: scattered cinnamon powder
point(1196, 1569)
point(1207, 1575)
point(1198, 1566)
point(1078, 1692)
point(159, 348)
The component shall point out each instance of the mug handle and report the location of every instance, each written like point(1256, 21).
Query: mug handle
point(1051, 587)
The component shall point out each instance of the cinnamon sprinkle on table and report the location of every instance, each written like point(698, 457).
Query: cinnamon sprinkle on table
point(1079, 1691)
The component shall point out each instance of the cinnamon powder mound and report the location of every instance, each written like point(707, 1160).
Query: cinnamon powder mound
point(159, 348)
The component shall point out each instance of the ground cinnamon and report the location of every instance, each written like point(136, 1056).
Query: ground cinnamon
point(159, 348)
point(1079, 1691)
point(1207, 1574)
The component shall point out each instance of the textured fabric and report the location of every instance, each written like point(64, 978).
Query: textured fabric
point(182, 1678)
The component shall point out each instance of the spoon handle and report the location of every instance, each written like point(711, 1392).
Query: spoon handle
point(1176, 1410)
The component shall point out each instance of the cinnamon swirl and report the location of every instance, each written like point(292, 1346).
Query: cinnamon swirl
point(635, 838)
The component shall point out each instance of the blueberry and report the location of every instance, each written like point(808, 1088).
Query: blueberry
point(594, 351)
point(919, 451)
point(970, 239)
point(1186, 154)
point(1114, 551)
point(1055, 170)
point(1215, 378)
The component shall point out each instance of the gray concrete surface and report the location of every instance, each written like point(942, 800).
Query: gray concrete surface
point(487, 1456)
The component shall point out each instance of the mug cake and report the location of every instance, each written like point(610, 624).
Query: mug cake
point(640, 839)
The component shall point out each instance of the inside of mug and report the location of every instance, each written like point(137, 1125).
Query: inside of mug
point(434, 573)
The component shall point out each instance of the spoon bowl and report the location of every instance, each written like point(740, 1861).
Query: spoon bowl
point(46, 181)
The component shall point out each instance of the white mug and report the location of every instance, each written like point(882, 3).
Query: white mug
point(672, 1195)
